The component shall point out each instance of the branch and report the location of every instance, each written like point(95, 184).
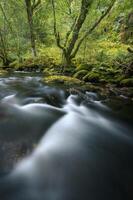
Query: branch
point(69, 6)
point(92, 28)
point(57, 35)
point(4, 14)
point(130, 50)
point(85, 4)
point(69, 32)
point(35, 5)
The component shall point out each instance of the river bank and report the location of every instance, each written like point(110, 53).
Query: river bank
point(119, 99)
point(72, 82)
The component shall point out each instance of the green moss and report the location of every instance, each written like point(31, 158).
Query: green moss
point(127, 82)
point(3, 72)
point(63, 80)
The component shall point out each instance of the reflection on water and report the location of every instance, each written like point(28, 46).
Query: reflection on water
point(56, 147)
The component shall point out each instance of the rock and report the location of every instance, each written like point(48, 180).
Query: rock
point(3, 72)
point(63, 80)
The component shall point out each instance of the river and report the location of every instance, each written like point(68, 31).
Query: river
point(58, 146)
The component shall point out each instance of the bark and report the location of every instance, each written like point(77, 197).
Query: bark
point(56, 33)
point(82, 16)
point(69, 32)
point(3, 51)
point(75, 29)
point(30, 7)
point(89, 31)
point(70, 49)
point(5, 17)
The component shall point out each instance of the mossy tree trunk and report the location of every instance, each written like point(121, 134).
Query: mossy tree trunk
point(3, 51)
point(72, 42)
point(31, 5)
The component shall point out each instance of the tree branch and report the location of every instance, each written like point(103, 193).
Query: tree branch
point(78, 25)
point(35, 4)
point(92, 28)
point(69, 32)
point(4, 14)
point(57, 35)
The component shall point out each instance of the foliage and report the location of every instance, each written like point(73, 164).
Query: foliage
point(127, 82)
point(103, 54)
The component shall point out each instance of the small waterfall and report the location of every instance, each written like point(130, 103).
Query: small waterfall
point(76, 150)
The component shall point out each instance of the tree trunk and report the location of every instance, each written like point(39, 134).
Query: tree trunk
point(3, 50)
point(67, 60)
point(6, 62)
point(30, 22)
point(72, 41)
point(78, 25)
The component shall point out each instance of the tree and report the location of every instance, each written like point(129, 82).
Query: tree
point(3, 40)
point(31, 6)
point(11, 43)
point(72, 41)
point(3, 50)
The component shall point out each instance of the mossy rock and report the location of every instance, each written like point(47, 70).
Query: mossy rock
point(127, 82)
point(51, 71)
point(80, 74)
point(3, 72)
point(92, 77)
point(63, 80)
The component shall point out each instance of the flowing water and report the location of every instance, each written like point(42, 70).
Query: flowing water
point(56, 146)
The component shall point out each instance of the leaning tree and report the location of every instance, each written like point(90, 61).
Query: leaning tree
point(73, 38)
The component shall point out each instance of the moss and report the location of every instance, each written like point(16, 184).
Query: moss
point(127, 82)
point(3, 72)
point(63, 80)
point(80, 74)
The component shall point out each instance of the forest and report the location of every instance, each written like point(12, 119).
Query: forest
point(76, 41)
point(66, 99)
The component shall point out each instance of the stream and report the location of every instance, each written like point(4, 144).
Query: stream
point(60, 146)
